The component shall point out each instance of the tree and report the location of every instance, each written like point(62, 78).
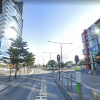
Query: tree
point(81, 62)
point(52, 62)
point(18, 50)
point(29, 59)
point(62, 64)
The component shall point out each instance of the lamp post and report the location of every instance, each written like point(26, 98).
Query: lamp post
point(61, 48)
point(50, 53)
point(43, 59)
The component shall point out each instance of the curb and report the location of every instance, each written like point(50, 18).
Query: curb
point(63, 90)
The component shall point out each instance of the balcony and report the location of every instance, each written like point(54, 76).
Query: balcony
point(5, 3)
point(3, 22)
point(2, 30)
point(1, 35)
point(2, 26)
point(15, 18)
point(5, 9)
point(17, 8)
point(3, 18)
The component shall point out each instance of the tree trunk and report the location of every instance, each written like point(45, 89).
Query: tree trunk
point(16, 71)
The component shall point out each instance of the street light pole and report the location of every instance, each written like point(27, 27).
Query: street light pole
point(43, 59)
point(61, 48)
point(50, 53)
point(61, 55)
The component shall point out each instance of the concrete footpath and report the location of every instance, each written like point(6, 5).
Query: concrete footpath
point(6, 83)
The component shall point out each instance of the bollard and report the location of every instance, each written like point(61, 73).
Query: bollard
point(67, 83)
point(71, 80)
point(54, 74)
point(24, 70)
point(80, 93)
point(94, 73)
point(91, 73)
point(12, 70)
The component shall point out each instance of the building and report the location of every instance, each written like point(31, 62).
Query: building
point(91, 43)
point(11, 23)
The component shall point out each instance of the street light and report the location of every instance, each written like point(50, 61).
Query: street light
point(50, 53)
point(43, 59)
point(61, 49)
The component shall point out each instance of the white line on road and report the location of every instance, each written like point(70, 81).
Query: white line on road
point(31, 72)
point(30, 93)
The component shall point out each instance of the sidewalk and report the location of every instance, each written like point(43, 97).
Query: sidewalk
point(6, 83)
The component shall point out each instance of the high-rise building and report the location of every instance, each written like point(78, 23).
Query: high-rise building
point(11, 23)
point(91, 44)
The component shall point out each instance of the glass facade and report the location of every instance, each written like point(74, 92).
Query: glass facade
point(11, 23)
point(93, 39)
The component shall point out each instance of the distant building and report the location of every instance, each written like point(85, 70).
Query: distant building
point(11, 23)
point(91, 43)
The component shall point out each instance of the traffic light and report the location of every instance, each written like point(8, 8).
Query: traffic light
point(58, 57)
point(11, 58)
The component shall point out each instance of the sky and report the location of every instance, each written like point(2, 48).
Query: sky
point(61, 22)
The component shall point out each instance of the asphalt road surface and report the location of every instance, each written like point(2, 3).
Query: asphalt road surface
point(37, 86)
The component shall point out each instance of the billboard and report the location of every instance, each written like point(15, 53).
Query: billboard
point(69, 64)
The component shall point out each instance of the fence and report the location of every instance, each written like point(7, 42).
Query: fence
point(85, 92)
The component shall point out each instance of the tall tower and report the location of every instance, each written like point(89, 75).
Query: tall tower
point(11, 23)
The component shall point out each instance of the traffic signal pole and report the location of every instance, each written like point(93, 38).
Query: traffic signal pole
point(61, 55)
point(58, 59)
point(59, 69)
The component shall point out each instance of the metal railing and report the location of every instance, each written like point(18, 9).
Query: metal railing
point(94, 93)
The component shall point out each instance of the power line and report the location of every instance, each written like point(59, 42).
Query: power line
point(75, 49)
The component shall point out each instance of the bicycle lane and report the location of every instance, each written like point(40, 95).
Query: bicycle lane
point(46, 89)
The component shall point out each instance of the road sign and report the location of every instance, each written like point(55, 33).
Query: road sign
point(11, 65)
point(76, 58)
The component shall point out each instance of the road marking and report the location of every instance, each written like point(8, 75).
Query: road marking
point(31, 72)
point(30, 93)
point(42, 91)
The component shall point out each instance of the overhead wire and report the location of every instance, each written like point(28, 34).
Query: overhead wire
point(74, 49)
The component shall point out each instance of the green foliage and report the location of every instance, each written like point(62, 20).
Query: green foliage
point(29, 58)
point(52, 62)
point(62, 64)
point(69, 62)
point(81, 62)
point(17, 49)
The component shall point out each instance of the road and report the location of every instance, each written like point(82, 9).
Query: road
point(37, 86)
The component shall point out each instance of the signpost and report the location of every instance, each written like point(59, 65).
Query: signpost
point(10, 66)
point(76, 59)
point(78, 79)
point(78, 75)
point(58, 59)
